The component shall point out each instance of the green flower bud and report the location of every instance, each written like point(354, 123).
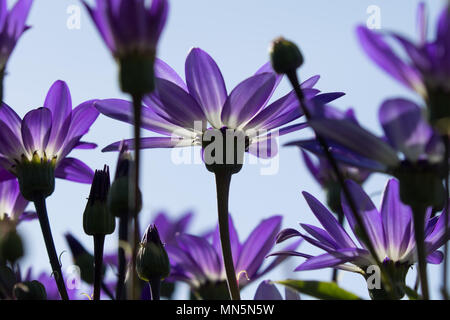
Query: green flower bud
point(97, 220)
point(119, 202)
point(137, 74)
point(152, 261)
point(36, 176)
point(285, 56)
point(397, 273)
point(29, 290)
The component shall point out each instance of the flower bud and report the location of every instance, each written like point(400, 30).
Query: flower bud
point(36, 176)
point(137, 74)
point(97, 220)
point(29, 290)
point(11, 246)
point(152, 261)
point(83, 259)
point(119, 202)
point(285, 56)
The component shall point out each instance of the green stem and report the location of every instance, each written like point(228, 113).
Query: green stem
point(155, 287)
point(41, 210)
point(223, 180)
point(123, 238)
point(99, 241)
point(419, 233)
point(293, 79)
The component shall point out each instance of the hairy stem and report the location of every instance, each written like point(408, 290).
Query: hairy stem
point(223, 180)
point(41, 210)
point(99, 241)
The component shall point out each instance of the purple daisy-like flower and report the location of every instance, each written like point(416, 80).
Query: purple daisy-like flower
point(390, 230)
point(12, 203)
point(129, 26)
point(50, 132)
point(426, 67)
point(198, 262)
point(182, 110)
point(12, 26)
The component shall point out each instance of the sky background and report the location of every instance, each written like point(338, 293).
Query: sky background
point(237, 34)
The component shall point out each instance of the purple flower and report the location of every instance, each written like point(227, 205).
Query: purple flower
point(12, 204)
point(12, 26)
point(50, 132)
point(390, 230)
point(169, 228)
point(268, 291)
point(425, 65)
point(129, 27)
point(408, 139)
point(182, 110)
point(198, 262)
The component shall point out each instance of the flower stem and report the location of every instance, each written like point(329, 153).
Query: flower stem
point(446, 140)
point(223, 180)
point(155, 287)
point(419, 233)
point(99, 241)
point(137, 106)
point(41, 210)
point(293, 79)
point(123, 238)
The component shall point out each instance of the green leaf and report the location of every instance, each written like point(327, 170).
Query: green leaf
point(319, 289)
point(412, 294)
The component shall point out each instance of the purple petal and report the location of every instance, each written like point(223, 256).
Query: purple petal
point(285, 234)
point(264, 147)
point(36, 126)
point(258, 245)
point(17, 17)
point(74, 170)
point(164, 71)
point(267, 291)
point(11, 119)
point(151, 142)
point(206, 84)
point(405, 127)
point(381, 54)
point(10, 145)
point(59, 102)
point(435, 258)
point(396, 219)
point(368, 214)
point(329, 222)
point(326, 260)
point(85, 145)
point(234, 242)
point(247, 99)
point(355, 138)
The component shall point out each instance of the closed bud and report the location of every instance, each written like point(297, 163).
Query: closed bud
point(285, 56)
point(11, 246)
point(119, 200)
point(152, 261)
point(29, 290)
point(97, 220)
point(36, 176)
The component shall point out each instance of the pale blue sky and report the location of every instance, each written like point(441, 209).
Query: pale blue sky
point(237, 34)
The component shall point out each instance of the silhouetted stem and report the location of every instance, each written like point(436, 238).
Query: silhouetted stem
point(99, 241)
point(419, 233)
point(41, 210)
point(223, 180)
point(446, 207)
point(155, 288)
point(123, 239)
